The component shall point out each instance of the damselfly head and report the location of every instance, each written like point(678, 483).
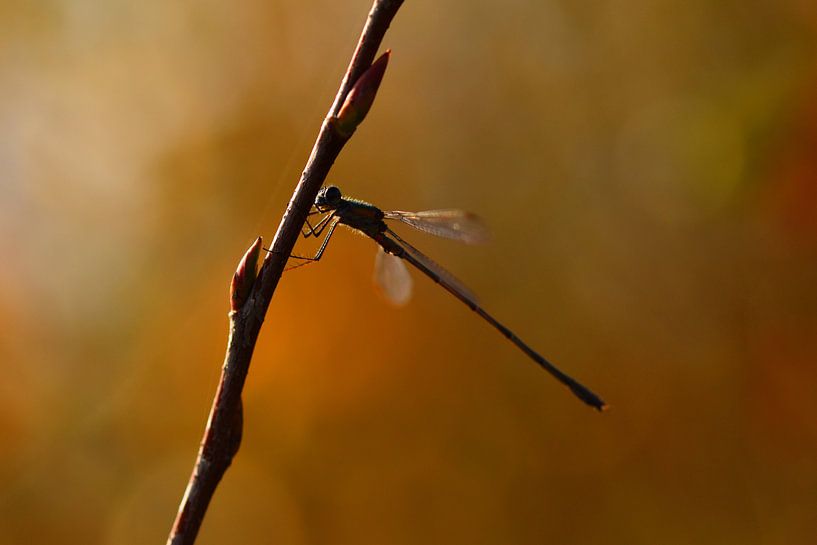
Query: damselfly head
point(328, 196)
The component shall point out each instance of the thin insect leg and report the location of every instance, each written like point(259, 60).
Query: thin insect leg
point(319, 254)
point(308, 232)
point(316, 232)
point(298, 265)
point(308, 229)
point(318, 228)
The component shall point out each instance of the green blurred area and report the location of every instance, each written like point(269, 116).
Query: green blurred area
point(649, 171)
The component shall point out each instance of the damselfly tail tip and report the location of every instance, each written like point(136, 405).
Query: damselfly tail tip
point(588, 397)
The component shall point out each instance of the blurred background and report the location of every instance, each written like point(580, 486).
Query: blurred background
point(649, 172)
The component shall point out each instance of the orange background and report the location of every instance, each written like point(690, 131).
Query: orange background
point(649, 172)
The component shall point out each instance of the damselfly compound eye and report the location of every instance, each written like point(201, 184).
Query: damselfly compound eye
point(332, 195)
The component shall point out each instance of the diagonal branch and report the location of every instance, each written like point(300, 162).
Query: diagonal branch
point(251, 296)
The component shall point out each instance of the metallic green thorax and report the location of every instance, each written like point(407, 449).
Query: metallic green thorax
point(357, 214)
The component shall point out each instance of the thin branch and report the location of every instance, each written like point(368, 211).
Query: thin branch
point(251, 297)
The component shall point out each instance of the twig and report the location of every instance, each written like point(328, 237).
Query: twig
point(250, 297)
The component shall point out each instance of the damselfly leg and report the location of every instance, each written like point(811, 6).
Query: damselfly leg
point(315, 232)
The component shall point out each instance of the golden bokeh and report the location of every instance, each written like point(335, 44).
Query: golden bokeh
point(649, 173)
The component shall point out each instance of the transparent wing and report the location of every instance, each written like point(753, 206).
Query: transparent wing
point(454, 224)
point(392, 277)
point(435, 271)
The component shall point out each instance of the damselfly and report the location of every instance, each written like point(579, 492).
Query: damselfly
point(393, 277)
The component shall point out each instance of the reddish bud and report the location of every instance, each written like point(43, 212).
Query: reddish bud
point(244, 276)
point(361, 97)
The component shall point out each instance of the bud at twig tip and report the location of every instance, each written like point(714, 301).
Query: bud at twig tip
point(361, 96)
point(245, 276)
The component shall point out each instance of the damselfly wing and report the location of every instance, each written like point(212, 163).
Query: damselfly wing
point(391, 275)
point(392, 278)
point(454, 224)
